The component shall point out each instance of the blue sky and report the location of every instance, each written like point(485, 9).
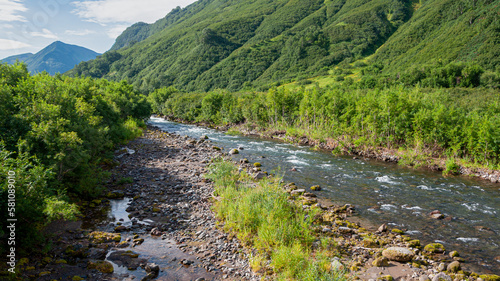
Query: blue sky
point(29, 26)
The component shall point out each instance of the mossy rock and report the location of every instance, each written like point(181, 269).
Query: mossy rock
point(46, 260)
point(30, 268)
point(216, 148)
point(99, 237)
point(369, 243)
point(414, 243)
point(102, 266)
point(43, 273)
point(257, 164)
point(453, 267)
point(77, 278)
point(454, 254)
point(434, 248)
point(61, 261)
point(490, 277)
point(381, 262)
point(114, 195)
point(156, 209)
point(397, 231)
point(138, 240)
point(131, 254)
point(328, 217)
point(398, 254)
point(386, 278)
point(315, 188)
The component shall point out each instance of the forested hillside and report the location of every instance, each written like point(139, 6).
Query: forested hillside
point(238, 44)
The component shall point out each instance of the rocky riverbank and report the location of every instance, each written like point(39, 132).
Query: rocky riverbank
point(385, 154)
point(169, 232)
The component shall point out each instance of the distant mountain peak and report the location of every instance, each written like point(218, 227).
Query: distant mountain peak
point(57, 57)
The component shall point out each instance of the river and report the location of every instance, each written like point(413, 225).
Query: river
point(383, 192)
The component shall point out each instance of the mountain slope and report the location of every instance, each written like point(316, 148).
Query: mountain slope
point(13, 59)
point(56, 57)
point(235, 44)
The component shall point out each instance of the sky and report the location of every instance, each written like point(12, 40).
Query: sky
point(27, 26)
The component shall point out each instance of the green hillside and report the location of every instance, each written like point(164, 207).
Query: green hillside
point(236, 44)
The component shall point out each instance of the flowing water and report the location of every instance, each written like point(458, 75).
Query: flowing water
point(383, 192)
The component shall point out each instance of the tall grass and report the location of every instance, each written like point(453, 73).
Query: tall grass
point(262, 217)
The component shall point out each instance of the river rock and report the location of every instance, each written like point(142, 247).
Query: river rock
point(399, 254)
point(454, 267)
point(234, 151)
point(102, 266)
point(436, 215)
point(381, 262)
point(97, 254)
point(424, 278)
point(441, 267)
point(152, 267)
point(315, 188)
point(156, 232)
point(297, 192)
point(441, 277)
point(259, 175)
point(434, 248)
point(382, 228)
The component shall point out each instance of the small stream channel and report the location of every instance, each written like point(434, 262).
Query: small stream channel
point(383, 193)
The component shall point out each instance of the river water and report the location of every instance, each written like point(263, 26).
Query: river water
point(383, 192)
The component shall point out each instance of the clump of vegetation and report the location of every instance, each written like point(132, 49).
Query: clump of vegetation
point(421, 122)
point(54, 134)
point(263, 218)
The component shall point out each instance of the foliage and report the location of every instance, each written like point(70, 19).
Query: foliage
point(457, 122)
point(237, 45)
point(263, 217)
point(55, 132)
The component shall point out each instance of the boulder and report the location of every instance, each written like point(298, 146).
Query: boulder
point(382, 228)
point(434, 248)
point(453, 267)
point(398, 254)
point(297, 192)
point(234, 151)
point(381, 262)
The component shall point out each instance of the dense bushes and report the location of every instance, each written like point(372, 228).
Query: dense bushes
point(455, 122)
point(54, 133)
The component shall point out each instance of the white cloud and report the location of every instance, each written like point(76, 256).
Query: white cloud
point(80, 32)
point(6, 44)
point(9, 9)
point(116, 30)
point(6, 26)
point(45, 34)
point(126, 11)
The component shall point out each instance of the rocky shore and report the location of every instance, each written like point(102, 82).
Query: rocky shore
point(167, 231)
point(380, 153)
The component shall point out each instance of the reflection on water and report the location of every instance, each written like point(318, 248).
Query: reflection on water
point(383, 192)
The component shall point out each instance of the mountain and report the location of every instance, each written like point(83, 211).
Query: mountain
point(21, 57)
point(235, 44)
point(56, 57)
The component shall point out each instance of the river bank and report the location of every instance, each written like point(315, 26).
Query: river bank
point(169, 222)
point(425, 158)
